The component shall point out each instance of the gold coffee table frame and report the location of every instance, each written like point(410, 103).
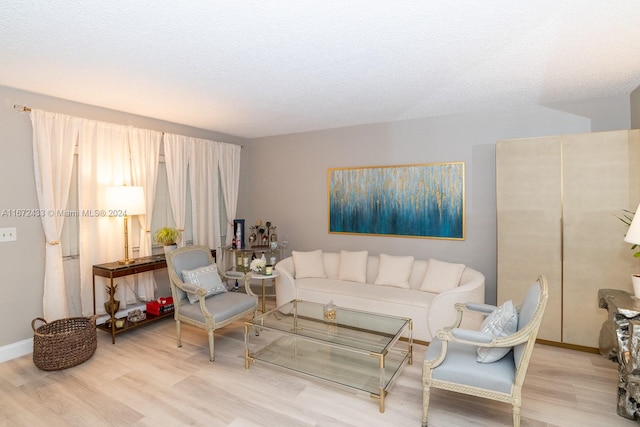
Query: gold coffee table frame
point(357, 350)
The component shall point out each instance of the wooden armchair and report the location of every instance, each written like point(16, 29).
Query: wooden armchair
point(451, 360)
point(212, 307)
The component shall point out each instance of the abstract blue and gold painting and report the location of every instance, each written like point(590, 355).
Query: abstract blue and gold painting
point(425, 200)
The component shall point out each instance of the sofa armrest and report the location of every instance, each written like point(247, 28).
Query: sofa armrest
point(285, 282)
point(442, 312)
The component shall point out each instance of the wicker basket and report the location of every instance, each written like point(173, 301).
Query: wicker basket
point(63, 343)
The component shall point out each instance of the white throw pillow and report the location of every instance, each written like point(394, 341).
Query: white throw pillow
point(441, 276)
point(353, 266)
point(394, 270)
point(204, 277)
point(309, 264)
point(501, 322)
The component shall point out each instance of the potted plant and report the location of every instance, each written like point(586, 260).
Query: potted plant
point(168, 237)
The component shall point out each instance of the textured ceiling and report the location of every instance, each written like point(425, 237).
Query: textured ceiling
point(258, 68)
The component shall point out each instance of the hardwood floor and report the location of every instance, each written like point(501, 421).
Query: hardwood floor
point(145, 380)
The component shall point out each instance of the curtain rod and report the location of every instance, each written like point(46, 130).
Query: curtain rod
point(24, 109)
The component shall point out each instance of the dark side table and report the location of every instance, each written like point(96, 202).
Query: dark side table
point(112, 270)
point(620, 342)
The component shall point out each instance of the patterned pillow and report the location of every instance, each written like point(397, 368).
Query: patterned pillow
point(501, 322)
point(204, 277)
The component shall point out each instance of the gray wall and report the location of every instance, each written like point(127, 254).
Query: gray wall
point(635, 108)
point(21, 286)
point(283, 179)
point(288, 173)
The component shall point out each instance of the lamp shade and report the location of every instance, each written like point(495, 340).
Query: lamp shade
point(633, 234)
point(126, 199)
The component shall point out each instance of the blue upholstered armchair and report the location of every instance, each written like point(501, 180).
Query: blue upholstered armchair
point(200, 297)
point(489, 363)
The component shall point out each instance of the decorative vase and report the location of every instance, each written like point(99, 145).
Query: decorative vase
point(169, 248)
point(111, 306)
point(635, 280)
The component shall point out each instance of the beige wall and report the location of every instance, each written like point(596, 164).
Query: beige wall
point(23, 260)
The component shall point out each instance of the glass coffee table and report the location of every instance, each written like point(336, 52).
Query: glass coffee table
point(354, 349)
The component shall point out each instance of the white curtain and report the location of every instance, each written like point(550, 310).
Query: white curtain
point(54, 140)
point(204, 185)
point(103, 161)
point(145, 152)
point(176, 157)
point(229, 161)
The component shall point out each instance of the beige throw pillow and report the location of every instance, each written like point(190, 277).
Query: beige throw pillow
point(394, 270)
point(353, 266)
point(441, 276)
point(308, 264)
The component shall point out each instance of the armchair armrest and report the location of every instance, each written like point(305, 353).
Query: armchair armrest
point(480, 308)
point(472, 337)
point(187, 287)
point(479, 338)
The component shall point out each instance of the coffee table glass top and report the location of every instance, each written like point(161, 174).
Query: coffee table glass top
point(354, 329)
point(351, 348)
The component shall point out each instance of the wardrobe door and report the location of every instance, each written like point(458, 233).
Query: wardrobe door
point(529, 234)
point(600, 176)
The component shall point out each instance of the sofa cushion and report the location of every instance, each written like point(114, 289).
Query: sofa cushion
point(308, 264)
point(441, 276)
point(204, 277)
point(501, 322)
point(353, 266)
point(394, 270)
point(324, 290)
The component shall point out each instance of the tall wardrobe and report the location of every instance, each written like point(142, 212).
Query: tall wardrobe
point(558, 199)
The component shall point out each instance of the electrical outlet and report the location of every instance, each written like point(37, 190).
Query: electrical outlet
point(8, 234)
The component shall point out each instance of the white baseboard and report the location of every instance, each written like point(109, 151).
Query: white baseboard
point(17, 349)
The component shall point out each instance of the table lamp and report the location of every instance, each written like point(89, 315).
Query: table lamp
point(125, 201)
point(633, 234)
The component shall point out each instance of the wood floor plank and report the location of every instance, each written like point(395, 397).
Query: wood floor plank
point(145, 380)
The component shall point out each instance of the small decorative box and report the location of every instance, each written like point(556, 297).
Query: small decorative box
point(160, 306)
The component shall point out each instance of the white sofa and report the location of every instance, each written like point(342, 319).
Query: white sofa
point(423, 290)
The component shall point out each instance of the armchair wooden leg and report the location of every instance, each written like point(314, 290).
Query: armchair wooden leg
point(517, 404)
point(425, 404)
point(516, 416)
point(211, 357)
point(178, 332)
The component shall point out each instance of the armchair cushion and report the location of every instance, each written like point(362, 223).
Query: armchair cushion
point(224, 306)
point(204, 277)
point(308, 264)
point(460, 366)
point(501, 322)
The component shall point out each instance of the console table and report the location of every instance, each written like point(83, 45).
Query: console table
point(112, 270)
point(620, 341)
